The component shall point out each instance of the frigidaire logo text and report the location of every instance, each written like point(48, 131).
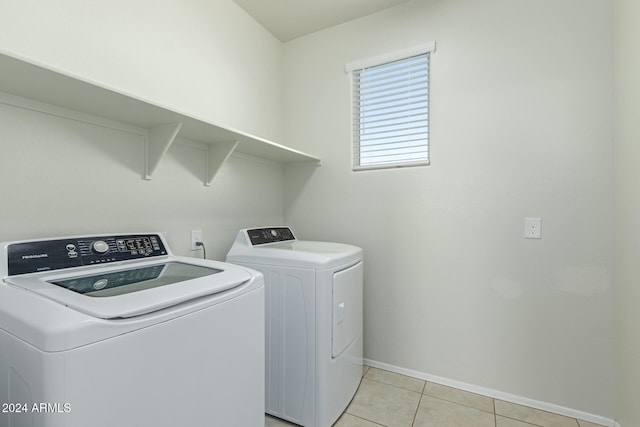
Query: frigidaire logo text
point(35, 256)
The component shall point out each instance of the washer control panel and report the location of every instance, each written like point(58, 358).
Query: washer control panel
point(44, 255)
point(261, 236)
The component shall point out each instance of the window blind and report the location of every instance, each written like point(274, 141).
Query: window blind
point(391, 113)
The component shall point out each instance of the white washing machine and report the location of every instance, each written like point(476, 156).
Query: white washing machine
point(313, 296)
point(107, 331)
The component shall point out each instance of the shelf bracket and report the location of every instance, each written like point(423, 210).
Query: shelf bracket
point(218, 153)
point(159, 139)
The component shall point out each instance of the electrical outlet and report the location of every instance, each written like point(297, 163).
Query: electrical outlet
point(533, 228)
point(196, 236)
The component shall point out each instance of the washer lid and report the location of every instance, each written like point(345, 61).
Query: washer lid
point(297, 253)
point(111, 292)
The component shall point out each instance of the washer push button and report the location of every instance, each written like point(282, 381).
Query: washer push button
point(71, 250)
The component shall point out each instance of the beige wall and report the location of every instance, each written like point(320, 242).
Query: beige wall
point(521, 125)
point(627, 157)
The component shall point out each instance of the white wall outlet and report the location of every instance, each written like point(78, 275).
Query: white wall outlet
point(196, 236)
point(533, 228)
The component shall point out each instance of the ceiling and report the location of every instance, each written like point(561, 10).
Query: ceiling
point(290, 19)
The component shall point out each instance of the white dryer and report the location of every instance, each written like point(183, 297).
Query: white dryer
point(313, 297)
point(106, 331)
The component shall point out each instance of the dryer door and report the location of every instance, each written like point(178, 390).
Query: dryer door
point(347, 307)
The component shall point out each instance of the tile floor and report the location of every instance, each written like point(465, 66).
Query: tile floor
point(392, 400)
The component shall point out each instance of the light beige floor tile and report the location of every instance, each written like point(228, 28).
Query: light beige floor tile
point(387, 377)
point(384, 404)
point(588, 424)
point(365, 368)
point(533, 416)
point(459, 396)
point(276, 422)
point(508, 422)
point(348, 420)
point(434, 412)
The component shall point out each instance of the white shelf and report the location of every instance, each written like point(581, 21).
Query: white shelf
point(27, 79)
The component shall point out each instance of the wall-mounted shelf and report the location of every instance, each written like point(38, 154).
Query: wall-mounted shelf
point(27, 79)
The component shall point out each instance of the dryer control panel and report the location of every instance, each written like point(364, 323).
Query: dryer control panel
point(45, 255)
point(261, 236)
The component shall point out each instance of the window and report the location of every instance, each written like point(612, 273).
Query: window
point(391, 110)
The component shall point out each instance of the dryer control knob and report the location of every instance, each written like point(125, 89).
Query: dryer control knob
point(100, 247)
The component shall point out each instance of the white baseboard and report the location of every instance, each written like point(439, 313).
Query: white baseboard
point(507, 397)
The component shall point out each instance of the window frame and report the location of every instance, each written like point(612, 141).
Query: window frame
point(376, 61)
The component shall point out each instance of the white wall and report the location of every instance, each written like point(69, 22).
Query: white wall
point(65, 177)
point(61, 176)
point(627, 156)
point(521, 126)
point(206, 58)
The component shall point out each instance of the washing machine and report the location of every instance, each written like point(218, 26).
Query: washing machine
point(115, 330)
point(313, 300)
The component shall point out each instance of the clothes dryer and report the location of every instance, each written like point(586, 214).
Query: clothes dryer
point(313, 307)
point(115, 330)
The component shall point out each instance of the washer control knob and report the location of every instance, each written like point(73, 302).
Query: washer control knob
point(274, 233)
point(100, 247)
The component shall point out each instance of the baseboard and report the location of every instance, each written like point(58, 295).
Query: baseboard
point(507, 397)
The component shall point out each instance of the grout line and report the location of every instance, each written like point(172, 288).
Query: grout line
point(393, 385)
point(575, 420)
point(422, 393)
point(415, 414)
point(520, 421)
point(493, 400)
point(364, 419)
point(496, 394)
point(459, 404)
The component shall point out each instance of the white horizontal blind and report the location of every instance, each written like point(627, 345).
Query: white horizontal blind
point(391, 113)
